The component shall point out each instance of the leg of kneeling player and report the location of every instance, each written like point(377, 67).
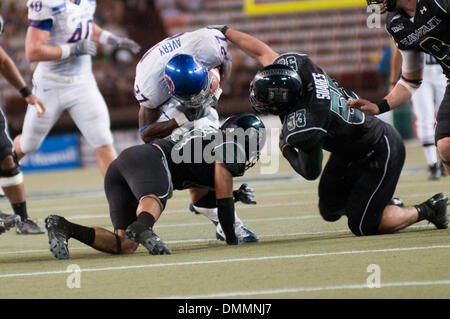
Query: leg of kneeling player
point(367, 208)
point(443, 130)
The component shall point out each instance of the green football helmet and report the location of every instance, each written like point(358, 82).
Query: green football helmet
point(275, 89)
point(253, 138)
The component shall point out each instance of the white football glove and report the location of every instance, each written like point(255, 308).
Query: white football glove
point(124, 43)
point(83, 47)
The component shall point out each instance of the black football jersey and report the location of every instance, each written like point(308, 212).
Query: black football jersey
point(322, 118)
point(191, 157)
point(428, 31)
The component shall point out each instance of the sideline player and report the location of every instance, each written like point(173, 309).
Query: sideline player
point(424, 102)
point(137, 192)
point(367, 155)
point(62, 37)
point(417, 27)
point(11, 178)
point(173, 86)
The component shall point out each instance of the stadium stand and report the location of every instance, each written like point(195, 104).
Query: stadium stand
point(337, 40)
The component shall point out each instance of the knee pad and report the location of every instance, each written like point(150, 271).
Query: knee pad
point(11, 177)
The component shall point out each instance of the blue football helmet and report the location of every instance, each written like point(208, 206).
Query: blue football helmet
point(188, 81)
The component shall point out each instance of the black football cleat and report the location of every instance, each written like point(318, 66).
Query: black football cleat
point(437, 213)
point(145, 236)
point(434, 172)
point(58, 235)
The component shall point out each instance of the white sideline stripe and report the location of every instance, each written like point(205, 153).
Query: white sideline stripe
point(221, 261)
point(309, 289)
point(175, 211)
point(182, 241)
point(200, 240)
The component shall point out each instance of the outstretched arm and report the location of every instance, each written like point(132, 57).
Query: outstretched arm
point(13, 76)
point(223, 181)
point(253, 47)
point(412, 70)
point(105, 37)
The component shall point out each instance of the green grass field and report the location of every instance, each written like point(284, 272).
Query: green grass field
point(298, 256)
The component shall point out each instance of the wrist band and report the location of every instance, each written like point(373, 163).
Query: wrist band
point(181, 119)
point(25, 92)
point(65, 51)
point(104, 36)
point(383, 106)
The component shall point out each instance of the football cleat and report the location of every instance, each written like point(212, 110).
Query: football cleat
point(137, 232)
point(58, 235)
point(243, 234)
point(29, 227)
point(434, 172)
point(437, 206)
point(8, 222)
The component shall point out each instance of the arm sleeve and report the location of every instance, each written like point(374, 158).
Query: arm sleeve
point(307, 164)
point(225, 211)
point(412, 60)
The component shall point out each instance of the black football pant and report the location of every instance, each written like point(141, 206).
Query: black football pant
point(362, 189)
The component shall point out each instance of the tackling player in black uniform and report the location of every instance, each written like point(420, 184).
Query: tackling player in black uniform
point(10, 173)
point(417, 27)
point(367, 155)
point(140, 181)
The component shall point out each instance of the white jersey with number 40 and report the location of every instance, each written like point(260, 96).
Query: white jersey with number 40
point(71, 23)
point(207, 46)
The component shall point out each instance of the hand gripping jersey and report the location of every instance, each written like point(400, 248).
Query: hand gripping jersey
point(322, 118)
point(427, 31)
point(207, 46)
point(67, 23)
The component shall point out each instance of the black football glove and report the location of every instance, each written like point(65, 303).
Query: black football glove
point(221, 28)
point(244, 194)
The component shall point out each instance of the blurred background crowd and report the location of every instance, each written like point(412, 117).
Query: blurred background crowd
point(337, 40)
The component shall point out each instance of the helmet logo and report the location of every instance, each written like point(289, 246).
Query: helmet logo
point(169, 83)
point(278, 95)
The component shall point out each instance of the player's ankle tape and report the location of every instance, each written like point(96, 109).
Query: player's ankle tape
point(146, 218)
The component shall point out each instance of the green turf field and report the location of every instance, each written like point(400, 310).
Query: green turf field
point(299, 255)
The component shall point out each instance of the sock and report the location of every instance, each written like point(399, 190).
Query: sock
point(20, 209)
point(210, 213)
point(146, 219)
point(82, 233)
point(429, 151)
point(423, 210)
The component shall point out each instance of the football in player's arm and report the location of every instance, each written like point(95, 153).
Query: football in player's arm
point(367, 155)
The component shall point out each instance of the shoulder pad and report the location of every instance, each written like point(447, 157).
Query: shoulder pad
point(43, 10)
